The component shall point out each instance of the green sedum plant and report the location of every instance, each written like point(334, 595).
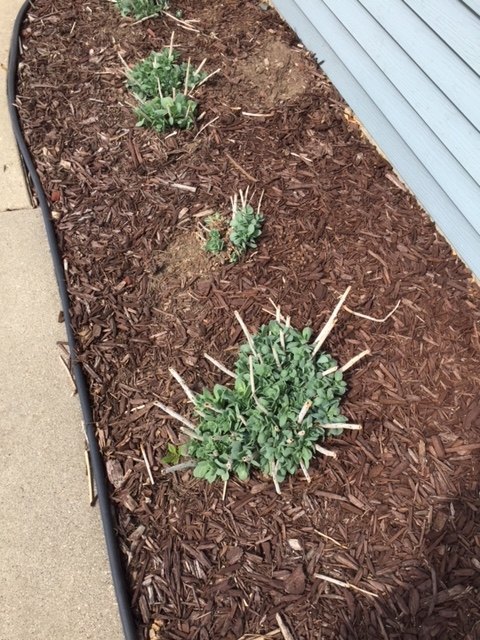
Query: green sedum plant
point(284, 402)
point(240, 234)
point(140, 9)
point(161, 74)
point(215, 242)
point(258, 423)
point(167, 112)
point(246, 227)
point(161, 84)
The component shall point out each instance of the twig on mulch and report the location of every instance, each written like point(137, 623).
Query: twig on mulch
point(240, 168)
point(283, 628)
point(324, 535)
point(362, 315)
point(347, 585)
point(147, 464)
point(324, 333)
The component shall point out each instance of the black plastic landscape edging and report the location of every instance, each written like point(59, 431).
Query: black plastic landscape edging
point(96, 459)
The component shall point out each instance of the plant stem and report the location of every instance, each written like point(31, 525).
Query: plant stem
point(246, 332)
point(341, 583)
point(305, 409)
point(354, 360)
point(322, 336)
point(147, 464)
point(190, 427)
point(179, 467)
point(342, 425)
point(187, 77)
point(326, 452)
point(188, 392)
point(220, 366)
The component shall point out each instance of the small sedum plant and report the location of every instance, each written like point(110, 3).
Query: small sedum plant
point(162, 75)
point(284, 402)
point(215, 242)
point(240, 234)
point(257, 425)
point(140, 9)
point(246, 227)
point(167, 112)
point(162, 84)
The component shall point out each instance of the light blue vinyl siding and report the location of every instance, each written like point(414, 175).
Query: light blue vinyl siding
point(409, 70)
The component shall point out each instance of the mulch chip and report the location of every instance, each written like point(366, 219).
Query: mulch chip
point(398, 512)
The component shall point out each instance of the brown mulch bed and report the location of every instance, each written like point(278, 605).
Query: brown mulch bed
point(401, 501)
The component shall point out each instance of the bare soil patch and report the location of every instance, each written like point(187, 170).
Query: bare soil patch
point(277, 71)
point(400, 504)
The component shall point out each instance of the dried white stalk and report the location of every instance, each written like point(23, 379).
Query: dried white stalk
point(354, 360)
point(273, 471)
point(147, 464)
point(341, 583)
point(329, 371)
point(179, 467)
point(322, 336)
point(305, 472)
point(246, 332)
point(362, 315)
point(283, 628)
point(186, 389)
point(305, 409)
point(220, 366)
point(189, 427)
point(342, 425)
point(326, 452)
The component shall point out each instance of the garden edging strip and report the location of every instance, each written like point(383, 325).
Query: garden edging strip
point(96, 459)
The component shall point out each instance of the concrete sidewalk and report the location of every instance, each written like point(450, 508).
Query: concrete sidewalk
point(56, 583)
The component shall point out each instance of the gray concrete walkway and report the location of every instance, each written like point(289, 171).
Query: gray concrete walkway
point(55, 582)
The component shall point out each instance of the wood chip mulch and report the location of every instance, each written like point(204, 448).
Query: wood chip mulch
point(398, 512)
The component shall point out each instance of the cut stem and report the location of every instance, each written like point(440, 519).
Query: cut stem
point(186, 389)
point(326, 452)
point(305, 472)
point(189, 427)
point(220, 366)
point(273, 471)
point(147, 464)
point(283, 628)
point(342, 425)
point(179, 467)
point(341, 583)
point(354, 360)
point(305, 409)
point(322, 336)
point(246, 332)
point(210, 75)
point(187, 77)
point(170, 49)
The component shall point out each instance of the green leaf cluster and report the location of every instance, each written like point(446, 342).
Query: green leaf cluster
point(158, 83)
point(140, 9)
point(161, 74)
point(245, 228)
point(242, 431)
point(173, 455)
point(236, 237)
point(163, 113)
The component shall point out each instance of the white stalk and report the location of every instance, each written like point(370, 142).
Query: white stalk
point(354, 360)
point(322, 336)
point(220, 366)
point(246, 332)
point(326, 452)
point(186, 389)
